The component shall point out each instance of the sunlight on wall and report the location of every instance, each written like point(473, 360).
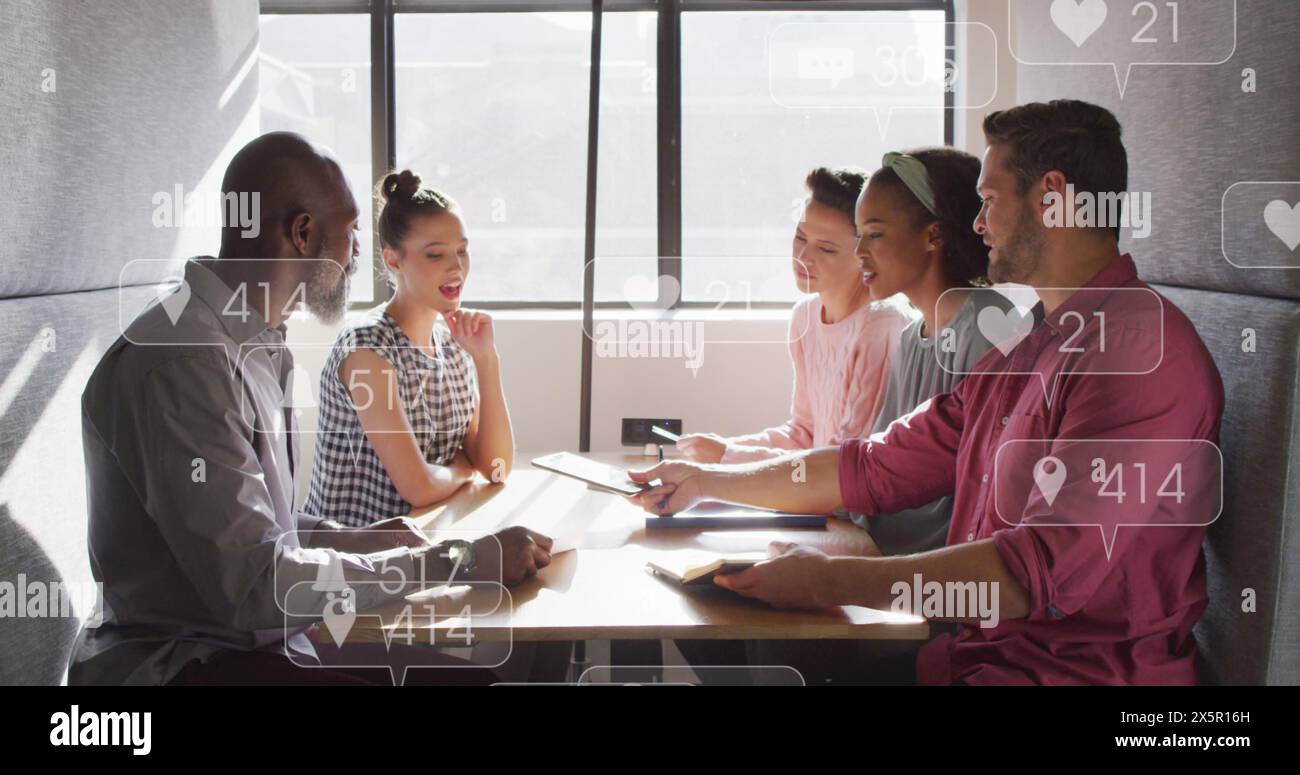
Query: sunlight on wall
point(22, 371)
point(204, 237)
point(54, 443)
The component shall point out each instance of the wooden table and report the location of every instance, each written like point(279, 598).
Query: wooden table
point(602, 590)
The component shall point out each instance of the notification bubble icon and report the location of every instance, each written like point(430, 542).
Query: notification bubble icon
point(1260, 222)
point(1122, 34)
point(883, 67)
point(1108, 484)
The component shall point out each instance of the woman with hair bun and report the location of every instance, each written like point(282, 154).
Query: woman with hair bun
point(411, 400)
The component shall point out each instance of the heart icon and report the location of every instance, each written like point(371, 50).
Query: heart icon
point(1005, 329)
point(645, 294)
point(340, 614)
point(1078, 19)
point(174, 294)
point(1284, 221)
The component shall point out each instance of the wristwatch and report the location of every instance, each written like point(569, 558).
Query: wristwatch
point(461, 554)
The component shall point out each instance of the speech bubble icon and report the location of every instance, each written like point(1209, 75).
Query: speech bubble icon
point(1122, 34)
point(1108, 484)
point(1260, 224)
point(406, 632)
point(1093, 330)
point(727, 294)
point(1283, 219)
point(894, 65)
point(434, 390)
point(238, 303)
point(826, 64)
point(1078, 19)
point(336, 571)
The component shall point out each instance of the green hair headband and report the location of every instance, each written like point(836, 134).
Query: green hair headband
point(912, 172)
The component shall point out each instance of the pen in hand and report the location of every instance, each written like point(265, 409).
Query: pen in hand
point(667, 434)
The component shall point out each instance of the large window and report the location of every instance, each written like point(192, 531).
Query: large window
point(492, 107)
point(756, 120)
point(314, 79)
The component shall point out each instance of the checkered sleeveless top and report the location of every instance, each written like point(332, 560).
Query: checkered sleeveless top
point(439, 394)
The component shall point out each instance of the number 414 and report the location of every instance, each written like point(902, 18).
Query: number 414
point(1111, 480)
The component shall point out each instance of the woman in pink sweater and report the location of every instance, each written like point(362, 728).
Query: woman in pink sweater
point(841, 342)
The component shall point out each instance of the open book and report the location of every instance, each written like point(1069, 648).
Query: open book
point(694, 568)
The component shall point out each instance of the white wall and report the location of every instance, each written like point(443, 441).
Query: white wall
point(738, 387)
point(742, 384)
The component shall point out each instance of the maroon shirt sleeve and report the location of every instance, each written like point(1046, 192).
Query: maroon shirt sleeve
point(911, 463)
point(1062, 566)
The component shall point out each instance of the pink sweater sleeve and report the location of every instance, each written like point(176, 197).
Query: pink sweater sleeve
point(861, 378)
point(868, 372)
point(796, 433)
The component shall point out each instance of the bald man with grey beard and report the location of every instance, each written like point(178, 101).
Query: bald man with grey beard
point(305, 242)
point(209, 575)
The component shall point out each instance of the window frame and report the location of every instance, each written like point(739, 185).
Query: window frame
point(383, 109)
point(383, 112)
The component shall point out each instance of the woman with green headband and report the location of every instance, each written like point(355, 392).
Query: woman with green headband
point(914, 227)
point(915, 237)
point(914, 221)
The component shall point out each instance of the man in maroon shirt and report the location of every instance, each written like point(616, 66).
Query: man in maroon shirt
point(1080, 451)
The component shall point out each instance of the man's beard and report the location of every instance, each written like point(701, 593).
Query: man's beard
point(1018, 260)
point(327, 286)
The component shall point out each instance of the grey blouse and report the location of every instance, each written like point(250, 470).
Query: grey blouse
point(918, 373)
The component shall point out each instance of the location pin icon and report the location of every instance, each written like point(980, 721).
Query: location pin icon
point(173, 302)
point(340, 614)
point(1049, 475)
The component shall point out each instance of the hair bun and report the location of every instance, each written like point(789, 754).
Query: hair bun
point(400, 185)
